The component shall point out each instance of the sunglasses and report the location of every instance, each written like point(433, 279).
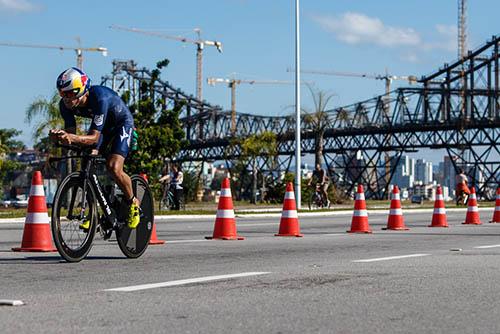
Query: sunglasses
point(69, 94)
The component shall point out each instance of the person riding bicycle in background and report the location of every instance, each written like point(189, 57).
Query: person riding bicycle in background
point(112, 126)
point(174, 181)
point(319, 176)
point(176, 185)
point(462, 184)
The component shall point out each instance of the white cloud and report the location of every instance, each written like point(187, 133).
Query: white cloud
point(17, 6)
point(356, 28)
point(410, 57)
point(449, 35)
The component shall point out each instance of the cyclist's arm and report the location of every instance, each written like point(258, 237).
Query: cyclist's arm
point(90, 139)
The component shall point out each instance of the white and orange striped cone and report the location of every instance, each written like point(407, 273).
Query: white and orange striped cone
point(395, 220)
point(225, 224)
point(439, 218)
point(359, 222)
point(472, 216)
point(289, 223)
point(36, 235)
point(496, 213)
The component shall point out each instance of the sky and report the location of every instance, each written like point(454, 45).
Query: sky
point(411, 37)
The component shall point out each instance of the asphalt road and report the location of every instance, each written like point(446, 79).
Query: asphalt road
point(425, 280)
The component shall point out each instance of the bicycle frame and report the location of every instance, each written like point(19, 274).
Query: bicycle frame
point(90, 179)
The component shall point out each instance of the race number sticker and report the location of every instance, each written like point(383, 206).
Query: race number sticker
point(98, 120)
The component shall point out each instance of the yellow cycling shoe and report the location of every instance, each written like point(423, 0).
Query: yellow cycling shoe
point(85, 226)
point(133, 216)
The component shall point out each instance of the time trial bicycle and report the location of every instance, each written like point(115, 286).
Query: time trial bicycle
point(81, 198)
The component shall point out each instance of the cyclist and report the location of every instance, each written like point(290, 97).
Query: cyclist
point(176, 185)
point(319, 175)
point(462, 189)
point(112, 125)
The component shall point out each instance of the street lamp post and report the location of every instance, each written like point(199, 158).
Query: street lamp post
point(297, 107)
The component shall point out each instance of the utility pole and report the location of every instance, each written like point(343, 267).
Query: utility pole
point(298, 140)
point(78, 50)
point(200, 45)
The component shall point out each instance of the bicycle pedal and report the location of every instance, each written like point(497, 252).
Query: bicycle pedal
point(106, 234)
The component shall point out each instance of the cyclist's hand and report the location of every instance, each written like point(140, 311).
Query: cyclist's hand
point(64, 138)
point(54, 134)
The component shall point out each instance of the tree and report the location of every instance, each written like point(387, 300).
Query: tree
point(255, 146)
point(8, 144)
point(318, 120)
point(160, 131)
point(48, 116)
point(7, 141)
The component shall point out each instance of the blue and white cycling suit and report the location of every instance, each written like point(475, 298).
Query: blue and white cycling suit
point(110, 116)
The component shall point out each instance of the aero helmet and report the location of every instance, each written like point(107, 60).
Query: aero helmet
point(72, 83)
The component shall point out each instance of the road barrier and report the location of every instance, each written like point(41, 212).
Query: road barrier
point(496, 213)
point(289, 223)
point(395, 220)
point(36, 235)
point(225, 224)
point(359, 223)
point(472, 216)
point(439, 218)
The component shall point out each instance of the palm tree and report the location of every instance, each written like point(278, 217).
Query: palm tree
point(47, 114)
point(318, 120)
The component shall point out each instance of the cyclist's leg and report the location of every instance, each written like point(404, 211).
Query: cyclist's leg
point(114, 164)
point(324, 191)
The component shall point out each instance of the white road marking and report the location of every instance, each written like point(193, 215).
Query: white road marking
point(184, 282)
point(391, 258)
point(490, 246)
point(9, 302)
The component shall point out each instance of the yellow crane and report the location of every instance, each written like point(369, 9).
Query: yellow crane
point(200, 45)
point(78, 50)
point(232, 83)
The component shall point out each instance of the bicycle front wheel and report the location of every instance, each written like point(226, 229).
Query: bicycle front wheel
point(313, 202)
point(69, 211)
point(133, 242)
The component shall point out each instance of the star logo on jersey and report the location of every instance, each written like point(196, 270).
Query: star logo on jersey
point(124, 135)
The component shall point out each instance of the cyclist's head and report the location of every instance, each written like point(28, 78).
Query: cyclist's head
point(72, 84)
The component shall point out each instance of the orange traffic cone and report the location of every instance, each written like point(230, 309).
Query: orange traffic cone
point(154, 239)
point(36, 235)
point(439, 216)
point(225, 224)
point(359, 222)
point(395, 220)
point(496, 214)
point(472, 216)
point(289, 224)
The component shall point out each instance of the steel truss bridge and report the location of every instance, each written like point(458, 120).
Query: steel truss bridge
point(455, 108)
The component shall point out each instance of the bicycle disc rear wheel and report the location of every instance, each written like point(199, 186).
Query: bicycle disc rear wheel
point(133, 242)
point(72, 242)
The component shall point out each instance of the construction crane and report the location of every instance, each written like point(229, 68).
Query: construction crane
point(462, 29)
point(386, 77)
point(232, 83)
point(78, 50)
point(200, 45)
